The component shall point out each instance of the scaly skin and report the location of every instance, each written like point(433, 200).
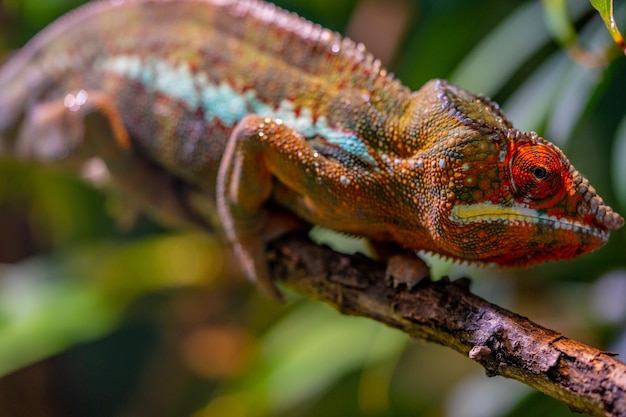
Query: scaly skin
point(211, 109)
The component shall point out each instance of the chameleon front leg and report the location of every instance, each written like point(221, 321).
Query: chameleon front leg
point(73, 130)
point(260, 152)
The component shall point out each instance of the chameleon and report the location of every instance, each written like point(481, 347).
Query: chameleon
point(239, 114)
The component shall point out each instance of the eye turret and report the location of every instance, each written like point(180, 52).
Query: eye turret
point(536, 171)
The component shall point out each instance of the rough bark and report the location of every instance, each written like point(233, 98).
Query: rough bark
point(586, 379)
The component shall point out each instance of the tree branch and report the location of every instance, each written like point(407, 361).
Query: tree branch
point(504, 343)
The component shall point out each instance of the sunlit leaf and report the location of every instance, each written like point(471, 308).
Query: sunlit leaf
point(605, 8)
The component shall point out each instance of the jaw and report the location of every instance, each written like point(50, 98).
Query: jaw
point(517, 235)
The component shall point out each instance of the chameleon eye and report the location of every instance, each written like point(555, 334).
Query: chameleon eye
point(536, 171)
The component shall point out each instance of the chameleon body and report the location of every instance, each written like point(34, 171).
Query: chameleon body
point(220, 109)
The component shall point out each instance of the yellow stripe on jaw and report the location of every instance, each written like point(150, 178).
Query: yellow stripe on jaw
point(517, 214)
point(478, 212)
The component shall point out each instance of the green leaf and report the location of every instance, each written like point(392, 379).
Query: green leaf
point(49, 304)
point(294, 374)
point(605, 8)
point(42, 314)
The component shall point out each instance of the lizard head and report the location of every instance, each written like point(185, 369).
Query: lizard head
point(504, 196)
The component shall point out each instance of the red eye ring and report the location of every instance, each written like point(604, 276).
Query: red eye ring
point(536, 171)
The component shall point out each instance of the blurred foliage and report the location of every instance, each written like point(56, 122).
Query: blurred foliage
point(101, 318)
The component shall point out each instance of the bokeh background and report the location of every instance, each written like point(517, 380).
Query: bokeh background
point(105, 313)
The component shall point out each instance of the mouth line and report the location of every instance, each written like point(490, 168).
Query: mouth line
point(519, 215)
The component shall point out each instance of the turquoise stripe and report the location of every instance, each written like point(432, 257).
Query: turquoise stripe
point(221, 101)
